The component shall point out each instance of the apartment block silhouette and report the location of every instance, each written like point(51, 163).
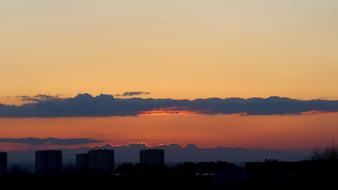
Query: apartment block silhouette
point(101, 160)
point(152, 157)
point(82, 162)
point(48, 162)
point(3, 163)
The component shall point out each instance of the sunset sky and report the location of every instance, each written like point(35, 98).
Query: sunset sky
point(179, 49)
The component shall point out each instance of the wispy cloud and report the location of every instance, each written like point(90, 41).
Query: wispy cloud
point(86, 105)
point(133, 93)
point(39, 98)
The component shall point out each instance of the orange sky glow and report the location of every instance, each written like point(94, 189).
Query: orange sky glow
point(273, 132)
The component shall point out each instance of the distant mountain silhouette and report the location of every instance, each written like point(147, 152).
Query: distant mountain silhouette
point(176, 153)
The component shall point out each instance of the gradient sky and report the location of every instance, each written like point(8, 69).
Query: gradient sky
point(177, 49)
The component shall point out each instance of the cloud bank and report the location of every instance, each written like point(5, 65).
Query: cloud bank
point(86, 105)
point(52, 141)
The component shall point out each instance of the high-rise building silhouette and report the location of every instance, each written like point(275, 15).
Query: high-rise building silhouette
point(48, 162)
point(3, 163)
point(102, 161)
point(152, 157)
point(82, 162)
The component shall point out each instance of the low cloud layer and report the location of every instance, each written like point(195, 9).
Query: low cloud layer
point(85, 105)
point(177, 153)
point(52, 141)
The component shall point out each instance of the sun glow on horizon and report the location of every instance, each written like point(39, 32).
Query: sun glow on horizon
point(165, 112)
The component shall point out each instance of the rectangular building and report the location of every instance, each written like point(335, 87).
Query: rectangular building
point(102, 161)
point(82, 162)
point(48, 162)
point(3, 163)
point(152, 157)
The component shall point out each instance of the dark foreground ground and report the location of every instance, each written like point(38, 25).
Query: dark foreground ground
point(265, 175)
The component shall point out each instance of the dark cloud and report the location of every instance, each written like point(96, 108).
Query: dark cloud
point(134, 93)
point(53, 141)
point(85, 105)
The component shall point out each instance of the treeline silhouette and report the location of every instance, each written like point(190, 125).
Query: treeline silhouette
point(271, 174)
